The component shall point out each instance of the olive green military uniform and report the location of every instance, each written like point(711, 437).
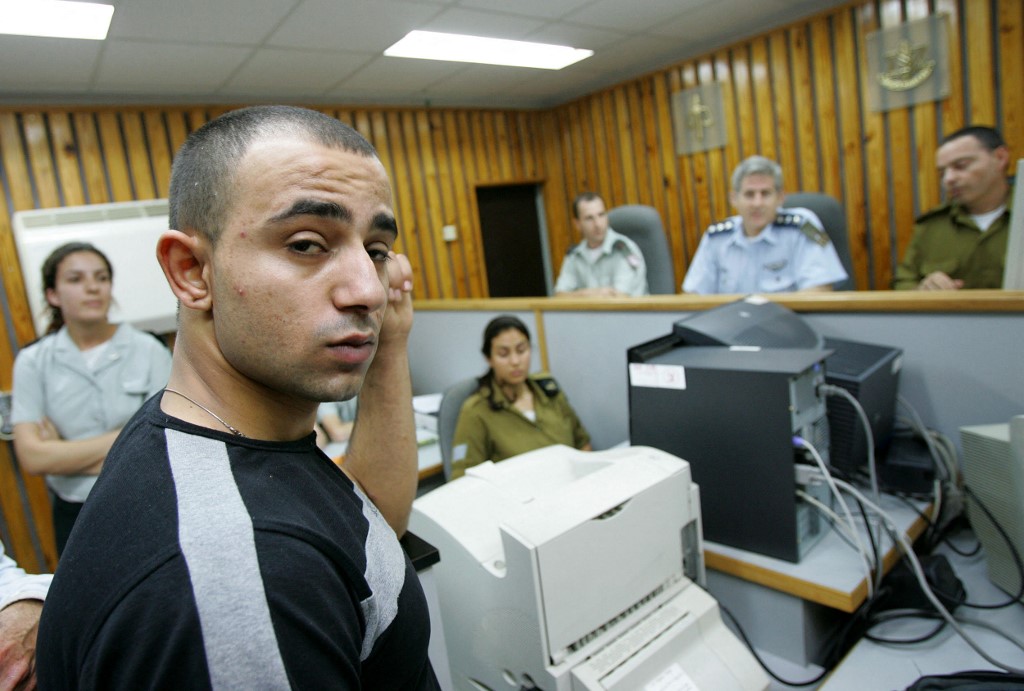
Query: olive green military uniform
point(946, 239)
point(490, 428)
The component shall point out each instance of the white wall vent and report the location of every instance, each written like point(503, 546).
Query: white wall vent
point(126, 232)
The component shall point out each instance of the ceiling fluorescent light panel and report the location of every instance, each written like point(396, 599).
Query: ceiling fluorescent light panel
point(55, 19)
point(432, 45)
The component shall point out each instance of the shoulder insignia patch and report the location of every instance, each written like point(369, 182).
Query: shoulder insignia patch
point(799, 221)
point(547, 384)
point(943, 210)
point(720, 227)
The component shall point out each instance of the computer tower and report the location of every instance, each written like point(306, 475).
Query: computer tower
point(732, 414)
point(870, 373)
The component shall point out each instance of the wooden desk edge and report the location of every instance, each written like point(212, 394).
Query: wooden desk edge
point(965, 301)
point(808, 590)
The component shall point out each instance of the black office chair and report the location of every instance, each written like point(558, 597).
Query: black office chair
point(832, 216)
point(448, 417)
point(642, 224)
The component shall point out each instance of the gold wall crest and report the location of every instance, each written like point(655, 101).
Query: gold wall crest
point(699, 119)
point(908, 64)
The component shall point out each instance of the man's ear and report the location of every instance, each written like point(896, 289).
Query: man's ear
point(183, 259)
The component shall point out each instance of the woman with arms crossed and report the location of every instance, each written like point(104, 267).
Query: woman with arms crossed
point(79, 384)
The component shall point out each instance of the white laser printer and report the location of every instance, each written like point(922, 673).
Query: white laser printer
point(564, 570)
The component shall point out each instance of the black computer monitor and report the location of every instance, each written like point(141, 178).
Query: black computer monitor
point(753, 321)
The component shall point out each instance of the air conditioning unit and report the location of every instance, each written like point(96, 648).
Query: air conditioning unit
point(126, 232)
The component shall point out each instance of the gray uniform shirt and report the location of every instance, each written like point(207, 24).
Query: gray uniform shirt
point(619, 264)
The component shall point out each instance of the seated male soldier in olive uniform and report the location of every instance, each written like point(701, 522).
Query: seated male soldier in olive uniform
point(513, 411)
point(962, 244)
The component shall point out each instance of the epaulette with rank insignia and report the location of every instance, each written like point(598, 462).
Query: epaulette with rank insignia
point(720, 227)
point(547, 384)
point(795, 220)
point(943, 210)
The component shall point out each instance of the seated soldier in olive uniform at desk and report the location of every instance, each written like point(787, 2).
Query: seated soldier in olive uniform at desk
point(962, 244)
point(513, 411)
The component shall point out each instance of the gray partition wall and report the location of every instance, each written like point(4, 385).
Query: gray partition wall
point(958, 368)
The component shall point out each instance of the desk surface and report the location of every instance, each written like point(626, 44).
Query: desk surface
point(830, 574)
point(872, 665)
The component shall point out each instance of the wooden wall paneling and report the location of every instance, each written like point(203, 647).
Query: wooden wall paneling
point(90, 155)
point(668, 176)
point(825, 107)
point(528, 144)
point(730, 114)
point(489, 145)
point(639, 105)
point(415, 204)
point(557, 202)
point(679, 173)
point(746, 105)
point(980, 65)
point(453, 253)
point(953, 107)
point(803, 100)
point(624, 138)
point(19, 185)
point(614, 161)
point(570, 128)
point(17, 518)
point(778, 69)
point(680, 80)
point(879, 238)
point(925, 134)
point(138, 157)
point(388, 142)
point(465, 163)
point(457, 209)
point(159, 151)
point(65, 155)
point(698, 164)
point(506, 152)
point(1011, 65)
point(14, 290)
point(764, 99)
point(901, 156)
point(602, 132)
point(197, 117)
point(362, 125)
point(852, 143)
point(432, 215)
point(114, 155)
point(37, 140)
point(177, 130)
point(716, 172)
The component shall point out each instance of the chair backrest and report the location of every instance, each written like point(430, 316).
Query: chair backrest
point(448, 417)
point(642, 225)
point(832, 216)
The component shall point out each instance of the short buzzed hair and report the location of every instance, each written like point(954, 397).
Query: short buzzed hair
point(989, 137)
point(583, 197)
point(757, 165)
point(203, 174)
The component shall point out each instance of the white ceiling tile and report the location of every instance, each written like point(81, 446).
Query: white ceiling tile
point(293, 72)
point(30, 62)
point(396, 75)
point(354, 25)
point(632, 16)
point(156, 67)
point(477, 23)
point(199, 21)
point(551, 9)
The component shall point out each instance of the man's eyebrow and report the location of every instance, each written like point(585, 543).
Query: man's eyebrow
point(313, 207)
point(386, 222)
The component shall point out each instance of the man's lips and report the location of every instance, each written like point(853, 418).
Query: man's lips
point(353, 350)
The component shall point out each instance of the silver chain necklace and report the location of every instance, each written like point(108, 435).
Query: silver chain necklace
point(217, 417)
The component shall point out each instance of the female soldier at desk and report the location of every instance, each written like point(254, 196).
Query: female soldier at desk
point(79, 384)
point(512, 411)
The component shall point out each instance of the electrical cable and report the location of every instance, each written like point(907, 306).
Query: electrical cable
point(915, 564)
point(801, 442)
point(760, 661)
point(1013, 552)
point(832, 390)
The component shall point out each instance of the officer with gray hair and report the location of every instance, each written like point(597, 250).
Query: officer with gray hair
point(765, 248)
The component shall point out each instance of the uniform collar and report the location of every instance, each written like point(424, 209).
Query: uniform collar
point(768, 235)
point(610, 238)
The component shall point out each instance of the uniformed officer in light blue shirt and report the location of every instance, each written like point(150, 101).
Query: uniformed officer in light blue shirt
point(766, 248)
